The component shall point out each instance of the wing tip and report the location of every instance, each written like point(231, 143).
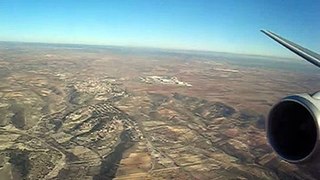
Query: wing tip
point(306, 54)
point(267, 32)
point(263, 30)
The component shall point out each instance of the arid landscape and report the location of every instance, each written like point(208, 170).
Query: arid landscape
point(100, 112)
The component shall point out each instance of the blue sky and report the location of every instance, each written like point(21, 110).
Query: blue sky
point(225, 26)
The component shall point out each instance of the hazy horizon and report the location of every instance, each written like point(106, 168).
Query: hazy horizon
point(241, 60)
point(294, 57)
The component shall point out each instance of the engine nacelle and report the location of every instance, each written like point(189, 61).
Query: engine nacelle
point(293, 127)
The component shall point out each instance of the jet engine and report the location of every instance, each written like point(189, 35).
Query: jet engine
point(293, 127)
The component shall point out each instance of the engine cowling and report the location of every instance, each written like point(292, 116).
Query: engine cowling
point(293, 127)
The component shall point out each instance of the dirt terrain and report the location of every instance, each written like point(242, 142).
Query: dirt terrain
point(93, 112)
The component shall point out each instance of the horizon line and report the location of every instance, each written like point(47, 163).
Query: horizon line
point(149, 47)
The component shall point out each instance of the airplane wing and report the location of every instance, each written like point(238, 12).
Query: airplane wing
point(308, 55)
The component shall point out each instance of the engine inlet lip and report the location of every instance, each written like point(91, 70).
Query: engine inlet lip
point(311, 108)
